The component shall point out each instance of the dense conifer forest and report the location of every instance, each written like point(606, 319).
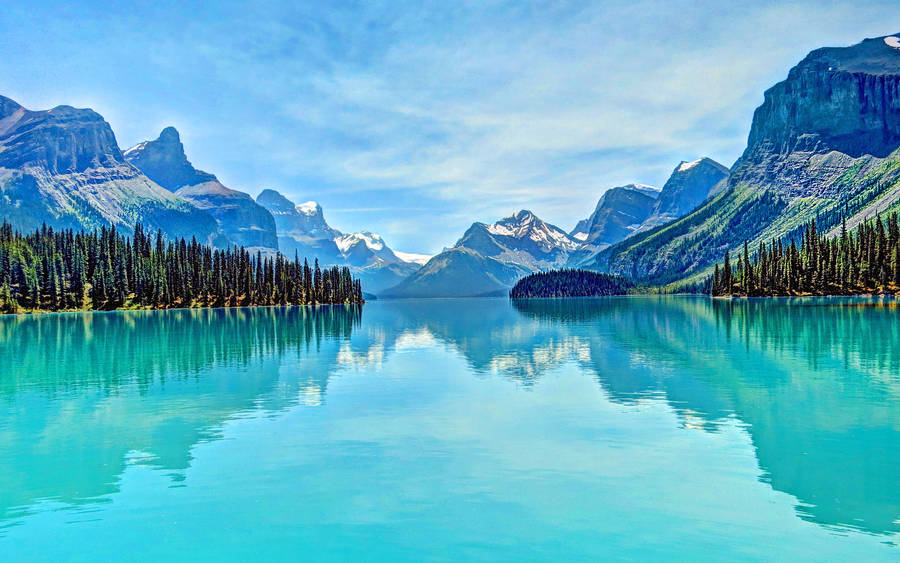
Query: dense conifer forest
point(569, 283)
point(63, 270)
point(866, 261)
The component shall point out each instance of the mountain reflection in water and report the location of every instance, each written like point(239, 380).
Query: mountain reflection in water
point(813, 382)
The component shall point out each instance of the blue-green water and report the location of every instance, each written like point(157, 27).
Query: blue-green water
point(637, 427)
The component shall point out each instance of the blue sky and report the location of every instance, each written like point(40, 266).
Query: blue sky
point(414, 119)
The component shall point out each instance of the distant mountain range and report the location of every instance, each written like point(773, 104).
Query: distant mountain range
point(824, 145)
point(63, 167)
point(489, 259)
point(302, 230)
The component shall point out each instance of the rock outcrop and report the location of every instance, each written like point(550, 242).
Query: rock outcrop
point(64, 168)
point(619, 213)
point(241, 219)
point(690, 184)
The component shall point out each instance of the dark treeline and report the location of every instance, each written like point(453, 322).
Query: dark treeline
point(104, 270)
point(862, 262)
point(569, 283)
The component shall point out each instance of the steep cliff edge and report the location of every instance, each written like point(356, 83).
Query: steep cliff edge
point(822, 145)
point(63, 167)
point(240, 218)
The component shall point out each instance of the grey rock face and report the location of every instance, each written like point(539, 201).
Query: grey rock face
point(164, 161)
point(844, 99)
point(60, 140)
point(690, 184)
point(305, 221)
point(63, 167)
point(241, 219)
point(619, 213)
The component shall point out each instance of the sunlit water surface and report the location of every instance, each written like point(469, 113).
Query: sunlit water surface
point(638, 427)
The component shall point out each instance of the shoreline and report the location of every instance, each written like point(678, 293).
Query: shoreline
point(40, 312)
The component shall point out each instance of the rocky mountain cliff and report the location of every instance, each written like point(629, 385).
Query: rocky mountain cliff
point(489, 259)
point(241, 219)
point(823, 144)
point(165, 162)
point(690, 184)
point(63, 167)
point(619, 212)
point(305, 220)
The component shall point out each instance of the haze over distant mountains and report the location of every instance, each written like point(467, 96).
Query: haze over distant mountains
point(822, 145)
point(302, 230)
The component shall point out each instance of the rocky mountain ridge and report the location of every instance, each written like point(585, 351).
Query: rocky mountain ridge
point(823, 144)
point(241, 219)
point(63, 167)
point(489, 258)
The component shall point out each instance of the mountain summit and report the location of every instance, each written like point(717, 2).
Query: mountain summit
point(241, 219)
point(690, 184)
point(489, 258)
point(63, 167)
point(619, 212)
point(164, 161)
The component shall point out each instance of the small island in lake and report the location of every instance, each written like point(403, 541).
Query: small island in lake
point(570, 283)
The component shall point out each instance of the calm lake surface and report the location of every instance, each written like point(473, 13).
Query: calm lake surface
point(637, 427)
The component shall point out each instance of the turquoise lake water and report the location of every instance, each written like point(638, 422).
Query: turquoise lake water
point(479, 429)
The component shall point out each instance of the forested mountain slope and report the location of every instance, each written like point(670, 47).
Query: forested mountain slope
point(822, 145)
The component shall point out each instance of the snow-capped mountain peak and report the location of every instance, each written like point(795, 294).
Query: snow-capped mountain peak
point(526, 225)
point(309, 208)
point(685, 166)
point(372, 241)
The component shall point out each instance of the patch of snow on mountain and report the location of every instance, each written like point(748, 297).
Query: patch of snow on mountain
point(524, 225)
point(371, 240)
point(309, 208)
point(552, 237)
point(135, 149)
point(892, 41)
point(580, 236)
point(502, 230)
point(413, 257)
point(685, 166)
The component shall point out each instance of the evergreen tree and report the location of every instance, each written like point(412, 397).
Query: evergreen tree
point(52, 270)
point(866, 260)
